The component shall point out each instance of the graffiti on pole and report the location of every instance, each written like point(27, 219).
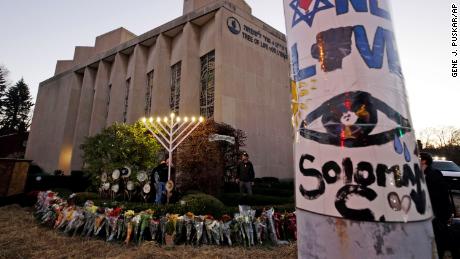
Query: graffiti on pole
point(355, 150)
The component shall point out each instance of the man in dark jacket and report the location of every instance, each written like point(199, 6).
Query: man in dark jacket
point(440, 202)
point(245, 174)
point(159, 177)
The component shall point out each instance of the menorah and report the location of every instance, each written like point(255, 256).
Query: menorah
point(171, 132)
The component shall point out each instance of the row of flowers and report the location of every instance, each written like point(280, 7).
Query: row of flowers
point(114, 224)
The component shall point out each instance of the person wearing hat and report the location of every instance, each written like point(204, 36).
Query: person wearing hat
point(245, 174)
point(442, 207)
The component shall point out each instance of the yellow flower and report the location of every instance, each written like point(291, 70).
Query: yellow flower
point(150, 211)
point(92, 209)
point(190, 215)
point(129, 213)
point(70, 214)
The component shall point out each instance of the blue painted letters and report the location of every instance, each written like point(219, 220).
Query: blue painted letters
point(374, 57)
point(341, 6)
point(300, 74)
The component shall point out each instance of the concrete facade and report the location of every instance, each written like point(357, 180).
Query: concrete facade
point(108, 83)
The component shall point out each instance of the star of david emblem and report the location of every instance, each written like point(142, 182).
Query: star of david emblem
point(304, 12)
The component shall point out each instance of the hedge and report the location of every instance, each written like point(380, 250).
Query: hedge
point(235, 199)
point(198, 203)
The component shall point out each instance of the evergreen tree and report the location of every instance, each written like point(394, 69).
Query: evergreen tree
point(3, 75)
point(17, 105)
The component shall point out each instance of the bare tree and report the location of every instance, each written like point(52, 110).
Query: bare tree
point(448, 136)
point(442, 137)
point(427, 137)
point(443, 141)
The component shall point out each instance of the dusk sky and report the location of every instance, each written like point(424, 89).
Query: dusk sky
point(37, 33)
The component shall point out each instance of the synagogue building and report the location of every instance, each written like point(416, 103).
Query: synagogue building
point(216, 60)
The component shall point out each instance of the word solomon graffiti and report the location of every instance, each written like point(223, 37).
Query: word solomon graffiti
point(359, 183)
point(349, 120)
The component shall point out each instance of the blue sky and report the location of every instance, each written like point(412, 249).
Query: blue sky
point(34, 34)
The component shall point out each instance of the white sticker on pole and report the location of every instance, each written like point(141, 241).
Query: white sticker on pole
point(355, 152)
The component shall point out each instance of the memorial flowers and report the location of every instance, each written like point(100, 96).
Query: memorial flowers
point(127, 226)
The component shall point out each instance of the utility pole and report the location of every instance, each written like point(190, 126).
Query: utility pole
point(360, 191)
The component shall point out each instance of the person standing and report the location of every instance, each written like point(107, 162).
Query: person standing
point(160, 177)
point(245, 174)
point(442, 207)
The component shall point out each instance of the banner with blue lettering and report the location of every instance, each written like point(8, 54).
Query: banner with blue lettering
point(355, 151)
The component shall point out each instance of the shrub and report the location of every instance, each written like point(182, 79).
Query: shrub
point(287, 185)
point(199, 204)
point(235, 199)
point(62, 192)
point(270, 191)
point(202, 204)
point(289, 207)
point(202, 164)
point(270, 180)
point(117, 146)
point(82, 197)
point(35, 169)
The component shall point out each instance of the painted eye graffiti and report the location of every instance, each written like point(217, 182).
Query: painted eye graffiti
point(349, 119)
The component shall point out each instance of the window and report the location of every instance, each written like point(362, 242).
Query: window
point(207, 85)
point(107, 105)
point(148, 94)
point(125, 111)
point(175, 88)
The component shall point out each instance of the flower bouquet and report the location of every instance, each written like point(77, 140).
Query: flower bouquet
point(136, 222)
point(261, 228)
point(112, 223)
point(226, 229)
point(198, 224)
point(154, 227)
point(180, 234)
point(163, 221)
point(121, 229)
point(170, 228)
point(272, 228)
point(146, 217)
point(128, 216)
point(188, 221)
point(99, 221)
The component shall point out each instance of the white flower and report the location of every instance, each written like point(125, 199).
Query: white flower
point(105, 186)
point(116, 174)
point(125, 172)
point(130, 185)
point(141, 176)
point(136, 219)
point(104, 177)
point(146, 188)
point(115, 188)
